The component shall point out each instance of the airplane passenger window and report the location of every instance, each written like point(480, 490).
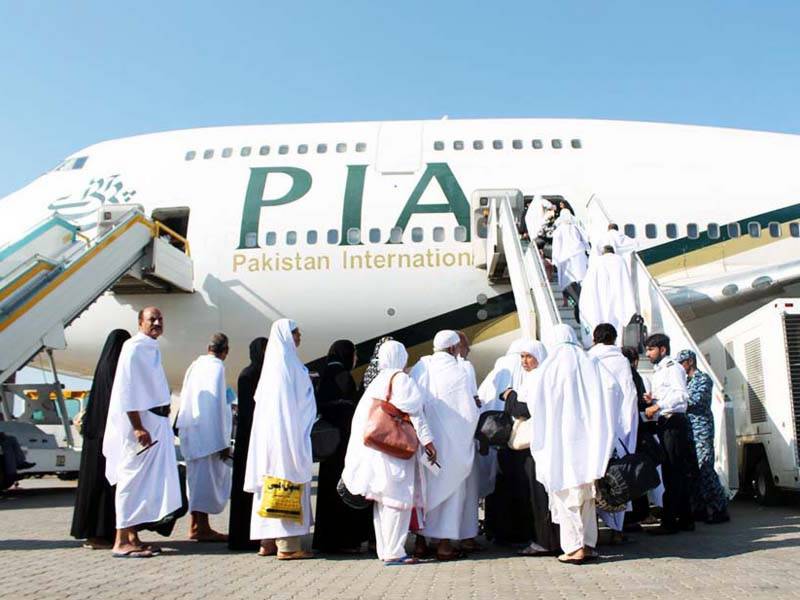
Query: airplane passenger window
point(291, 238)
point(775, 229)
point(537, 144)
point(477, 145)
point(190, 155)
point(438, 234)
point(361, 147)
point(396, 235)
point(672, 231)
point(245, 151)
point(630, 230)
point(283, 149)
point(713, 231)
point(650, 231)
point(692, 231)
point(794, 230)
point(438, 145)
point(251, 239)
point(226, 152)
point(497, 144)
point(302, 149)
point(264, 150)
point(272, 237)
point(556, 144)
point(322, 148)
point(460, 233)
point(354, 236)
point(311, 238)
point(734, 231)
point(416, 234)
point(754, 229)
point(576, 144)
point(341, 147)
point(458, 145)
point(516, 144)
point(333, 236)
point(208, 154)
point(374, 235)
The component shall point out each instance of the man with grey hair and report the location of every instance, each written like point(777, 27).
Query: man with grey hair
point(452, 415)
point(204, 428)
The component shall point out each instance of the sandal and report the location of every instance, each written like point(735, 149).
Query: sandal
point(534, 550)
point(299, 555)
point(569, 560)
point(133, 554)
point(403, 560)
point(267, 551)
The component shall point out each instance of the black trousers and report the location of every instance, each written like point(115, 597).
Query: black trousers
point(673, 431)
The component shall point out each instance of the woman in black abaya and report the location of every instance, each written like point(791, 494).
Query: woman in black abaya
point(338, 528)
point(94, 518)
point(242, 502)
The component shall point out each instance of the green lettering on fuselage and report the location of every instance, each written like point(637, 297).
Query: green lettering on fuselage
point(254, 198)
point(353, 198)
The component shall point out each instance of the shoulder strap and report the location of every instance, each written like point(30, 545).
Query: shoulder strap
point(391, 380)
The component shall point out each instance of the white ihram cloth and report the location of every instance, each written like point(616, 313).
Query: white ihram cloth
point(204, 427)
point(535, 216)
point(148, 488)
point(573, 430)
point(452, 416)
point(569, 251)
point(621, 243)
point(478, 465)
point(627, 427)
point(280, 440)
point(607, 294)
point(396, 485)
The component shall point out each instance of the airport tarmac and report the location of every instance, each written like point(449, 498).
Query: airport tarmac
point(757, 555)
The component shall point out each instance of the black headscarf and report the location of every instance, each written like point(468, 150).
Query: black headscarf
point(342, 352)
point(336, 383)
point(94, 419)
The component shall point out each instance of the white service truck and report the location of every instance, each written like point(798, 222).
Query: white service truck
point(758, 361)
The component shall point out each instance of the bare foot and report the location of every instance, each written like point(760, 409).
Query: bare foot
point(208, 536)
point(268, 548)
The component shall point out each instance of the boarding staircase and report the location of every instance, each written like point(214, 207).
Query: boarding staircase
point(510, 260)
point(53, 273)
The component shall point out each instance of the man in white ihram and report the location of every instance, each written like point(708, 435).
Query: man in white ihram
point(204, 427)
point(138, 443)
point(572, 437)
point(611, 358)
point(452, 415)
point(607, 295)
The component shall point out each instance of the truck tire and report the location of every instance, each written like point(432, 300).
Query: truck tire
point(763, 486)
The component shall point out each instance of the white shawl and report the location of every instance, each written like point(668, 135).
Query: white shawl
point(280, 440)
point(204, 421)
point(627, 427)
point(378, 476)
point(575, 414)
point(607, 294)
point(452, 416)
point(139, 385)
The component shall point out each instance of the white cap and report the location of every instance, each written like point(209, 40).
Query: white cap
point(445, 339)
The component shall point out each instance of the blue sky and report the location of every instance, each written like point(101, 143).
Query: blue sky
point(74, 73)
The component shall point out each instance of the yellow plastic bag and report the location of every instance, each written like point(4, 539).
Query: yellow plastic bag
point(281, 499)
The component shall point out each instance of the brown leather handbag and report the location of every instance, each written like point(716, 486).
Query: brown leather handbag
point(389, 429)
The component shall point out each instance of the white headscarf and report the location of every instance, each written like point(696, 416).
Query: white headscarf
point(507, 373)
point(535, 348)
point(371, 473)
point(575, 414)
point(280, 440)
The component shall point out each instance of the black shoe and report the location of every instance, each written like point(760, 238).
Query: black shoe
point(720, 516)
point(25, 465)
point(662, 530)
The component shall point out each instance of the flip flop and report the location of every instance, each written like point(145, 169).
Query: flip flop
point(133, 554)
point(152, 548)
point(404, 560)
point(570, 561)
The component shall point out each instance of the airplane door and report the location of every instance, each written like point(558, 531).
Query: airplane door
point(399, 147)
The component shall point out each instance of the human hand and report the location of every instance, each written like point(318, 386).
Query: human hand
point(430, 450)
point(650, 411)
point(143, 437)
point(647, 397)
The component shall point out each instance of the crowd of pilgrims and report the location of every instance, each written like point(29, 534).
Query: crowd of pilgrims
point(581, 407)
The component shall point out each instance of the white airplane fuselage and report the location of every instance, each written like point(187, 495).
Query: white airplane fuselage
point(270, 232)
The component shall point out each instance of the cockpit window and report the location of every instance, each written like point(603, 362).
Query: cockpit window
point(72, 164)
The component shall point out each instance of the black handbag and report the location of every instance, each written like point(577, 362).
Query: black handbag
point(627, 478)
point(325, 439)
point(493, 429)
point(352, 500)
